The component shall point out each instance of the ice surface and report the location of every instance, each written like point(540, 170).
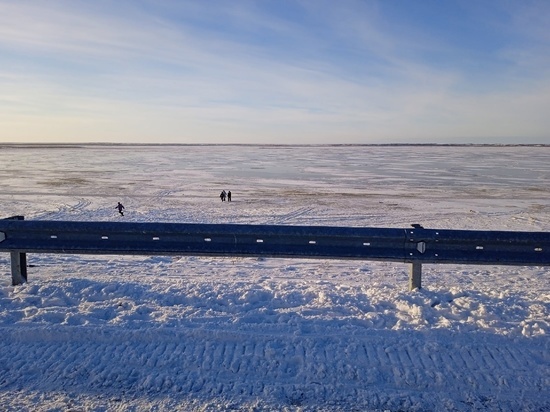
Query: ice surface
point(127, 333)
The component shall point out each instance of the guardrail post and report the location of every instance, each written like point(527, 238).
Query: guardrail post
point(415, 276)
point(18, 259)
point(18, 268)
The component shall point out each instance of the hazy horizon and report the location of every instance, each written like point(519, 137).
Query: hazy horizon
point(65, 144)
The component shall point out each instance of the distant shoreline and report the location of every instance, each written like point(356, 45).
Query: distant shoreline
point(77, 145)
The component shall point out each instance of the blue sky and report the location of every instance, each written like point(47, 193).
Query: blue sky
point(275, 71)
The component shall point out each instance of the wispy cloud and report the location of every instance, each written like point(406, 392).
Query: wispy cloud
point(267, 72)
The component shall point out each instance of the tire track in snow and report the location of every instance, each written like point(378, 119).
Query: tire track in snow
point(161, 195)
point(296, 370)
point(65, 209)
point(289, 216)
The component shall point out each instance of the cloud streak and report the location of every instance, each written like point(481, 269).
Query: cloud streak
point(267, 72)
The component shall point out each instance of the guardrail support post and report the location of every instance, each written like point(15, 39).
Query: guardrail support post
point(415, 276)
point(18, 268)
point(18, 259)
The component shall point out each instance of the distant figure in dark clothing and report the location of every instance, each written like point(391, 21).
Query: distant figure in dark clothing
point(120, 207)
point(229, 196)
point(222, 195)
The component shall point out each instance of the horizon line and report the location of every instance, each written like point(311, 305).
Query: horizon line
point(66, 144)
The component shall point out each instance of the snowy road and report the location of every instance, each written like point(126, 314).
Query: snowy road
point(387, 370)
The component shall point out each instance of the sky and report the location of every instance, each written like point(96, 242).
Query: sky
point(275, 71)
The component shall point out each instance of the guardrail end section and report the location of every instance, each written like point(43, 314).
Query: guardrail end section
point(18, 217)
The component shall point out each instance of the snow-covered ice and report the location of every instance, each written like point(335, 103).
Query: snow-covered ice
point(125, 333)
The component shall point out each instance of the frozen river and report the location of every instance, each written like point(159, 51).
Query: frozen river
point(376, 185)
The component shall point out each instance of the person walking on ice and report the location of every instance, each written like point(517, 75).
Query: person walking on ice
point(120, 207)
point(229, 196)
point(222, 195)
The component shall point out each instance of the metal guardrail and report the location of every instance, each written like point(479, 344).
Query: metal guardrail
point(412, 245)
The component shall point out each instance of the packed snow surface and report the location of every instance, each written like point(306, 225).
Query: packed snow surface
point(140, 333)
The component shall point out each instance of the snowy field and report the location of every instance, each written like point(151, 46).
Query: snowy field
point(124, 333)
